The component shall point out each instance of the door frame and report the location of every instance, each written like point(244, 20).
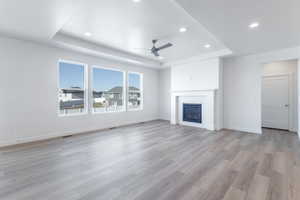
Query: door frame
point(278, 56)
point(282, 55)
point(290, 98)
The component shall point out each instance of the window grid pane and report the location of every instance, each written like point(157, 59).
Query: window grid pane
point(108, 94)
point(71, 88)
point(134, 91)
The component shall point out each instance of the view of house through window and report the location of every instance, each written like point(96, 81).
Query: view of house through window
point(134, 91)
point(71, 88)
point(108, 90)
point(107, 87)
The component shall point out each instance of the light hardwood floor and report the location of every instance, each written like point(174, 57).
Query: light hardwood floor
point(153, 161)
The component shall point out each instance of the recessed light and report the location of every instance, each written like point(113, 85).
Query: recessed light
point(253, 25)
point(88, 34)
point(207, 46)
point(136, 1)
point(182, 29)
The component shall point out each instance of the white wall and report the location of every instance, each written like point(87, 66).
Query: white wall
point(242, 88)
point(165, 94)
point(242, 94)
point(28, 103)
point(287, 68)
point(219, 115)
point(298, 79)
point(203, 75)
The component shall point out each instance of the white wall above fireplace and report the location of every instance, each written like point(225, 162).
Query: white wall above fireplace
point(196, 76)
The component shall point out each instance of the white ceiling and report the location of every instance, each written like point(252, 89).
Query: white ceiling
point(228, 20)
point(132, 26)
point(35, 19)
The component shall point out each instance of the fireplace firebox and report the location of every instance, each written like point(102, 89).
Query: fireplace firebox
point(192, 113)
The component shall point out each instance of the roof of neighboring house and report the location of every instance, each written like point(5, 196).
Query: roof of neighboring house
point(119, 89)
point(133, 88)
point(72, 91)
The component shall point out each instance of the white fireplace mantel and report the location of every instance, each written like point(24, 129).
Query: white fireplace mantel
point(207, 99)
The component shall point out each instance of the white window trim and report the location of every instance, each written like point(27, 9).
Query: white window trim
point(85, 88)
point(141, 91)
point(92, 88)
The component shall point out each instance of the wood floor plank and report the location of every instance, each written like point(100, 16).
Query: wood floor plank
point(192, 194)
point(241, 160)
point(154, 160)
point(245, 176)
point(259, 188)
point(295, 185)
point(277, 189)
point(265, 165)
point(234, 194)
point(279, 162)
point(221, 186)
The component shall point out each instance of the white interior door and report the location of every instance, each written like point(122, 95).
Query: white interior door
point(275, 102)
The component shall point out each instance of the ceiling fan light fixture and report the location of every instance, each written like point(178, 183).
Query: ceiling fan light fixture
point(182, 29)
point(207, 46)
point(253, 25)
point(88, 34)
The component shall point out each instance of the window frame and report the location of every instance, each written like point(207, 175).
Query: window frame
point(85, 88)
point(141, 91)
point(92, 88)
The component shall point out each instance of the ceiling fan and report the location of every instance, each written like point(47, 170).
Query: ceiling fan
point(154, 50)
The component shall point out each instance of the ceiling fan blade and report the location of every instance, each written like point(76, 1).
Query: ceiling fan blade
point(165, 46)
point(155, 53)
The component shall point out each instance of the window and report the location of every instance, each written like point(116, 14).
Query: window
point(71, 88)
point(135, 91)
point(108, 90)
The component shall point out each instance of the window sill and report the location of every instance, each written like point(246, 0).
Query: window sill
point(135, 110)
point(73, 115)
point(107, 112)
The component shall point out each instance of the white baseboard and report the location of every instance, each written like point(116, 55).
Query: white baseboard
point(293, 130)
point(165, 118)
point(47, 136)
point(246, 130)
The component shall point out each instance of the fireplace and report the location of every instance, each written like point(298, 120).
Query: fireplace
point(200, 106)
point(192, 113)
